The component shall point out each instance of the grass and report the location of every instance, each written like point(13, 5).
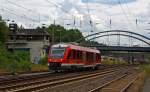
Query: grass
point(112, 61)
point(146, 68)
point(38, 68)
point(31, 68)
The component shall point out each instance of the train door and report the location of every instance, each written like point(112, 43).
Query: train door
point(94, 58)
point(80, 56)
point(98, 58)
point(69, 56)
point(84, 57)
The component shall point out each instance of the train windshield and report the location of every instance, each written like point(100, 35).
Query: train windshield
point(57, 52)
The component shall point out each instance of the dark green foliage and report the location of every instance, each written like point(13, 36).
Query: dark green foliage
point(62, 34)
point(43, 61)
point(14, 62)
point(3, 30)
point(67, 35)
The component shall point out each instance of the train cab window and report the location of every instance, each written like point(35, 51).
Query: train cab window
point(57, 52)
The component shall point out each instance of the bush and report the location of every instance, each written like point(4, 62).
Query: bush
point(14, 62)
point(43, 61)
point(21, 61)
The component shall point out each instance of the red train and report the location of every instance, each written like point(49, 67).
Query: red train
point(68, 56)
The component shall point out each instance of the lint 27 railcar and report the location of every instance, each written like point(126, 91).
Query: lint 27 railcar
point(68, 56)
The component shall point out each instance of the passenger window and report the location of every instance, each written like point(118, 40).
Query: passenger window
point(69, 55)
point(74, 54)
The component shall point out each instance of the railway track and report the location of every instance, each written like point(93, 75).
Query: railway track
point(22, 85)
point(4, 80)
point(9, 79)
point(119, 84)
point(87, 84)
point(48, 82)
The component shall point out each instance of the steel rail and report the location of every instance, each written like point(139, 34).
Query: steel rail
point(50, 84)
point(107, 83)
point(128, 85)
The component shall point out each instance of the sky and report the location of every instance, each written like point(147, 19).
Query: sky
point(85, 15)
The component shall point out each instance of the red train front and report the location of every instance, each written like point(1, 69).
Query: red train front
point(68, 56)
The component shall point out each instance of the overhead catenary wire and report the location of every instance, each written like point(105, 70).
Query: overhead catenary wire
point(88, 14)
point(124, 12)
point(132, 14)
point(21, 16)
point(58, 6)
point(27, 9)
point(65, 11)
point(129, 12)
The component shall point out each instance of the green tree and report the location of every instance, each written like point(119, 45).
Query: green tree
point(69, 35)
point(3, 30)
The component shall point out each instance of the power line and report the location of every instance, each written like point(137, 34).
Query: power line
point(124, 12)
point(10, 12)
point(27, 9)
point(130, 13)
point(19, 5)
point(88, 11)
point(65, 11)
point(58, 6)
point(24, 15)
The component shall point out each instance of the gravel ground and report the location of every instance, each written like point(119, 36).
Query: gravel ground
point(83, 86)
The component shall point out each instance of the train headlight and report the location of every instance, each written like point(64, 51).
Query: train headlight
point(49, 60)
point(61, 60)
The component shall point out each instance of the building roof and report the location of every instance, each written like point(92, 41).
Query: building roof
point(38, 32)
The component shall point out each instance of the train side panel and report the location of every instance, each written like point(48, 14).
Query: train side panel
point(75, 58)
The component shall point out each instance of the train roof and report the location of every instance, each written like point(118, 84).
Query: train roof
point(76, 47)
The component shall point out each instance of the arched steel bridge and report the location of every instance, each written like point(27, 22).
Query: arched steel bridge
point(133, 35)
